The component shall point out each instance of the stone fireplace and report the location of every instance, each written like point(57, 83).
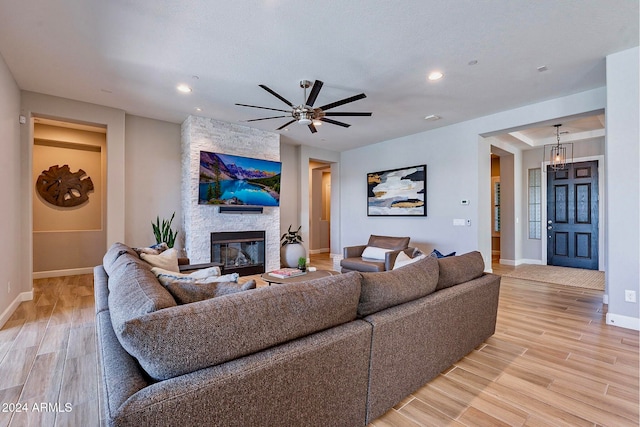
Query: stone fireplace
point(200, 221)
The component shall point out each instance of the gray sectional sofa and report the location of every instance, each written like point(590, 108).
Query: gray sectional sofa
point(336, 351)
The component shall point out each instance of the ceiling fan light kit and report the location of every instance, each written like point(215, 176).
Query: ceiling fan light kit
point(305, 113)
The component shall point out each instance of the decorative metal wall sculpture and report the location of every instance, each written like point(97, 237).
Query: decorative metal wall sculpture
point(61, 187)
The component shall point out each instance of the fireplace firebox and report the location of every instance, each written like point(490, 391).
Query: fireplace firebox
point(239, 252)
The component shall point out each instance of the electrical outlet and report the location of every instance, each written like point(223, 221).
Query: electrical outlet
point(629, 296)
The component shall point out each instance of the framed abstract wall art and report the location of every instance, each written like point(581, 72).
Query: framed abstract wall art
point(397, 192)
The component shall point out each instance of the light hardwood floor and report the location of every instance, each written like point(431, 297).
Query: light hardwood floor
point(551, 362)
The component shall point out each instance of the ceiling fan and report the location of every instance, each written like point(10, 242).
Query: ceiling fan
point(306, 113)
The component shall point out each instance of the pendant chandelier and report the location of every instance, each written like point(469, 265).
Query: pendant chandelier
point(559, 154)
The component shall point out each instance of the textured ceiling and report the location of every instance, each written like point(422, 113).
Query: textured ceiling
point(132, 54)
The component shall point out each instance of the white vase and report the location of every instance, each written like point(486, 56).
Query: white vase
point(289, 254)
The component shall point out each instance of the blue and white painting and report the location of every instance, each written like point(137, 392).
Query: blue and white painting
point(397, 192)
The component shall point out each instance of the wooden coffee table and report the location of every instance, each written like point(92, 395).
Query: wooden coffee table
point(309, 275)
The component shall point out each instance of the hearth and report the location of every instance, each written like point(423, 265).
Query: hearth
point(239, 252)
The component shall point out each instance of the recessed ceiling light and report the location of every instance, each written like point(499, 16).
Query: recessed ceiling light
point(435, 75)
point(473, 62)
point(542, 68)
point(432, 118)
point(198, 109)
point(184, 88)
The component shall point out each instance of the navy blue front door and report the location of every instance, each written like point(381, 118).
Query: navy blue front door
point(572, 216)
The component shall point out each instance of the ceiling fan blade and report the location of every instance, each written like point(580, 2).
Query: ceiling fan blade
point(343, 101)
point(286, 124)
point(347, 114)
point(265, 118)
point(280, 97)
point(334, 122)
point(312, 128)
point(264, 108)
point(315, 90)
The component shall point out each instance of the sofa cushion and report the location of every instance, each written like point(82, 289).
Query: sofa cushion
point(182, 339)
point(388, 288)
point(133, 292)
point(120, 265)
point(459, 269)
point(113, 253)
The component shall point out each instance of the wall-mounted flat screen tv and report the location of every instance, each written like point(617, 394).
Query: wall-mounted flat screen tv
point(236, 180)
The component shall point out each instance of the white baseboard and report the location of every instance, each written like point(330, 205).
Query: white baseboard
point(605, 299)
point(59, 273)
point(518, 262)
point(623, 321)
point(24, 296)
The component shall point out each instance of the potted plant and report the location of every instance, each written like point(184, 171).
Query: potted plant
point(292, 249)
point(163, 232)
point(302, 264)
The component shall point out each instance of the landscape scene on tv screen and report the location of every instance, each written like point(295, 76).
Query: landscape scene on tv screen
point(236, 180)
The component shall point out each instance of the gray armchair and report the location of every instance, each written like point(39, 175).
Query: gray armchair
point(354, 261)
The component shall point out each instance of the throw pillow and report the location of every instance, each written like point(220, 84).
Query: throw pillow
point(403, 259)
point(437, 254)
point(156, 249)
point(186, 290)
point(372, 252)
point(203, 273)
point(167, 260)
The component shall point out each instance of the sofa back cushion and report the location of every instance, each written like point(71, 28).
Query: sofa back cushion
point(459, 269)
point(388, 288)
point(388, 242)
point(134, 291)
point(182, 339)
point(113, 253)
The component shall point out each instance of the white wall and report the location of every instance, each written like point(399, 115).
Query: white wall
point(458, 167)
point(153, 175)
point(623, 187)
point(451, 156)
point(11, 261)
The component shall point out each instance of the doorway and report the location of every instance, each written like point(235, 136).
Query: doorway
point(573, 216)
point(319, 207)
